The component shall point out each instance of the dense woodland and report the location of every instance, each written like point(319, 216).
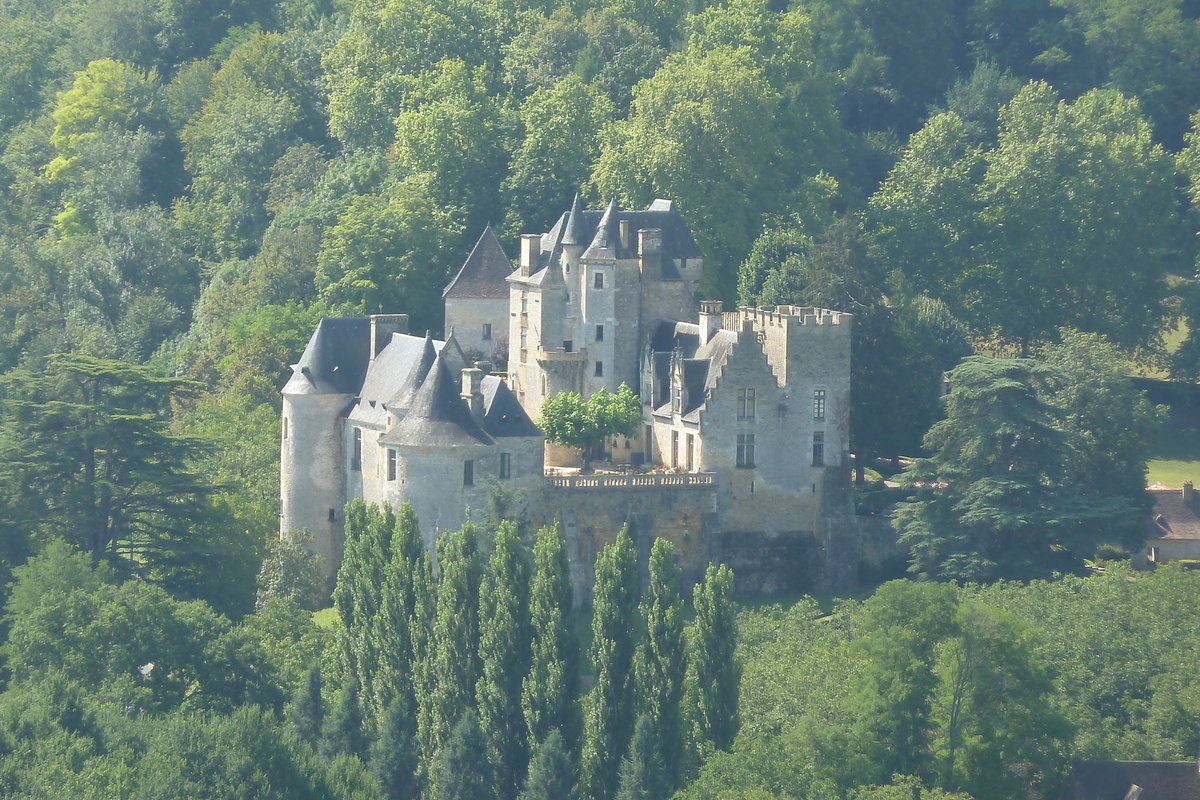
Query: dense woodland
point(189, 185)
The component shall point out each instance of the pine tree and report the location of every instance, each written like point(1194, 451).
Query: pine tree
point(661, 664)
point(715, 672)
point(343, 733)
point(643, 774)
point(608, 719)
point(394, 754)
point(548, 695)
point(306, 712)
point(452, 658)
point(463, 771)
point(504, 640)
point(551, 776)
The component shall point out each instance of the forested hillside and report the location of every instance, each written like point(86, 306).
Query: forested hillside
point(189, 185)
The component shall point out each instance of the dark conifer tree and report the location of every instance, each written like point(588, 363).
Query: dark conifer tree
point(661, 664)
point(306, 713)
point(643, 775)
point(399, 620)
point(343, 732)
point(551, 776)
point(609, 707)
point(504, 653)
point(463, 771)
point(394, 754)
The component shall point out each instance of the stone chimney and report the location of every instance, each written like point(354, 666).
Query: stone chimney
point(472, 392)
point(1187, 491)
point(710, 319)
point(531, 248)
point(382, 328)
point(484, 366)
point(650, 249)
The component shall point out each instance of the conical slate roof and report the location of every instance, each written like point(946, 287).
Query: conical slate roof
point(335, 360)
point(574, 233)
point(484, 272)
point(407, 392)
point(438, 416)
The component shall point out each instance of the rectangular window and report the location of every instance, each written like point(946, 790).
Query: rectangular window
point(691, 452)
point(524, 303)
point(745, 450)
point(569, 345)
point(487, 331)
point(285, 427)
point(505, 466)
point(599, 333)
point(468, 473)
point(391, 465)
point(818, 404)
point(524, 338)
point(819, 449)
point(599, 369)
point(599, 281)
point(356, 455)
point(745, 404)
point(333, 515)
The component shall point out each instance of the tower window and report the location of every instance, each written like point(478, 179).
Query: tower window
point(468, 473)
point(487, 331)
point(599, 369)
point(745, 403)
point(333, 515)
point(391, 465)
point(569, 345)
point(285, 430)
point(818, 404)
point(505, 466)
point(819, 449)
point(745, 450)
point(599, 280)
point(599, 333)
point(356, 456)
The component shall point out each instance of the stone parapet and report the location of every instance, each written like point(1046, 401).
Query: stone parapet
point(629, 481)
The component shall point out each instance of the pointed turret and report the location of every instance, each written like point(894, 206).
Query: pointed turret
point(403, 397)
point(574, 234)
point(608, 236)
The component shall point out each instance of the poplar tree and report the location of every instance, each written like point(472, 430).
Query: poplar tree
point(551, 776)
point(399, 619)
point(661, 663)
point(343, 732)
point(608, 716)
point(504, 640)
point(452, 659)
point(548, 696)
point(715, 672)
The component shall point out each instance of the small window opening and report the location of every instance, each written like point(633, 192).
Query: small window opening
point(599, 369)
point(468, 473)
point(487, 331)
point(599, 333)
point(599, 282)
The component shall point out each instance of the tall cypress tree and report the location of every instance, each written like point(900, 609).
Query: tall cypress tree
point(463, 771)
point(394, 753)
point(504, 639)
point(661, 664)
point(549, 691)
point(608, 719)
point(306, 712)
point(551, 776)
point(452, 658)
point(715, 672)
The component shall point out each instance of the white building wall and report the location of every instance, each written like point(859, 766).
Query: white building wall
point(467, 318)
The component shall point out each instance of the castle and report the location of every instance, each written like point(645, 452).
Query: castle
point(742, 456)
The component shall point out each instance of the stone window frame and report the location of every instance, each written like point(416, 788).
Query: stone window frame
point(818, 448)
point(487, 331)
point(598, 280)
point(599, 369)
point(391, 464)
point(746, 403)
point(505, 466)
point(599, 333)
point(745, 451)
point(819, 397)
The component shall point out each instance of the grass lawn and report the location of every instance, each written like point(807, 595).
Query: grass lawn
point(1175, 457)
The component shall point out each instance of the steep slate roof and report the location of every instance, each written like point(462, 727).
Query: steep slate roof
point(484, 273)
point(438, 416)
point(403, 396)
point(1112, 780)
point(503, 415)
point(1179, 520)
point(335, 360)
point(701, 366)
